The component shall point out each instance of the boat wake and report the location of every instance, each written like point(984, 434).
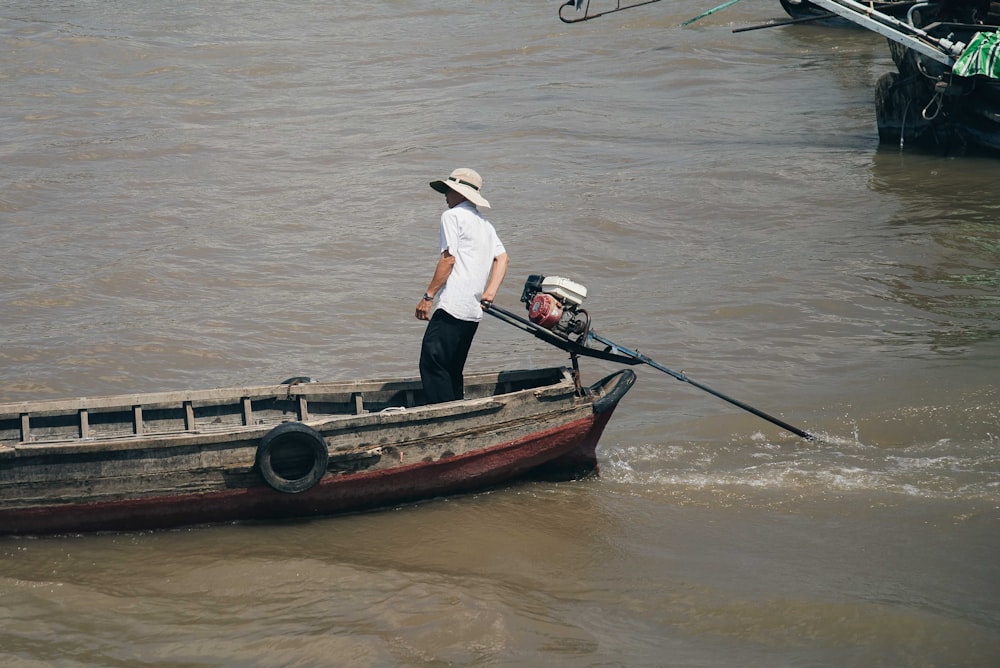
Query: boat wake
point(756, 472)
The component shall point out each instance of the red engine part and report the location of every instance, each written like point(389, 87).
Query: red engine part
point(545, 310)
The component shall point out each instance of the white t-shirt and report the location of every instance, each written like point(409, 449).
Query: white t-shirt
point(474, 243)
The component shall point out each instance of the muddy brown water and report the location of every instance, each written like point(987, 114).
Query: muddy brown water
point(205, 195)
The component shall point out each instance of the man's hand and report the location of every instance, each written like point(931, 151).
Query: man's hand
point(424, 307)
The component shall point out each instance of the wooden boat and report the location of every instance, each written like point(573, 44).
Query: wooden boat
point(295, 449)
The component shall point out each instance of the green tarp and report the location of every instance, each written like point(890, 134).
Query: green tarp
point(982, 56)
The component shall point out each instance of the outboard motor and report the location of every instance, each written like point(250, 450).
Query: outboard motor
point(554, 303)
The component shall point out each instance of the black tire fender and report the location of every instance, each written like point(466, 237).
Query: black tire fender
point(292, 457)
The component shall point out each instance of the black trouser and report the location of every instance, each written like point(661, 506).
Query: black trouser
point(442, 356)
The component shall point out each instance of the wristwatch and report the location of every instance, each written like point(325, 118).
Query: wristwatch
point(428, 298)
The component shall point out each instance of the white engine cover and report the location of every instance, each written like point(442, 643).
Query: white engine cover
point(564, 289)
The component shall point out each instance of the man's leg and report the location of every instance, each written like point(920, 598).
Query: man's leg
point(466, 331)
point(443, 353)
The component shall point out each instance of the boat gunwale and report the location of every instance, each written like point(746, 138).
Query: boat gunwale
point(223, 395)
point(206, 435)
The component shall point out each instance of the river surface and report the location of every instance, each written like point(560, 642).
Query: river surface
point(206, 194)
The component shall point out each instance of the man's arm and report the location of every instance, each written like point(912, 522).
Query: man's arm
point(497, 272)
point(441, 273)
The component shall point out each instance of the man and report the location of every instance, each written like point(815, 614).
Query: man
point(469, 271)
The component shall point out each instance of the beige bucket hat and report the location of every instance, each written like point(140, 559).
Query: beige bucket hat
point(466, 182)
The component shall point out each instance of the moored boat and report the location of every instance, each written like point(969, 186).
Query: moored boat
point(805, 11)
point(295, 449)
point(946, 92)
point(939, 103)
